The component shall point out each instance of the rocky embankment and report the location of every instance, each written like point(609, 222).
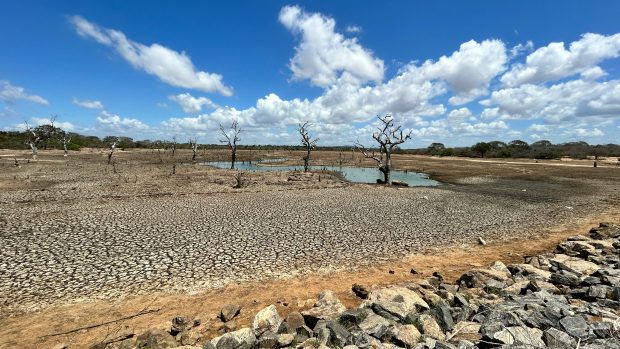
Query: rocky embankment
point(566, 299)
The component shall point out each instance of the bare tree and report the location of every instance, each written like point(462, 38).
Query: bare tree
point(38, 135)
point(174, 145)
point(306, 141)
point(231, 138)
point(193, 142)
point(111, 153)
point(388, 137)
point(65, 139)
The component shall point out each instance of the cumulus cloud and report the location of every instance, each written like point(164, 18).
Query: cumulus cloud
point(554, 61)
point(323, 55)
point(114, 122)
point(88, 104)
point(468, 70)
point(559, 102)
point(10, 94)
point(65, 125)
point(172, 67)
point(191, 104)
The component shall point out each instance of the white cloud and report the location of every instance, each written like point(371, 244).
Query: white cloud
point(65, 125)
point(554, 62)
point(114, 122)
point(88, 104)
point(10, 94)
point(191, 104)
point(559, 102)
point(169, 66)
point(323, 56)
point(353, 29)
point(469, 70)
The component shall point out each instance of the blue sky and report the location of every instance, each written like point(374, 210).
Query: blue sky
point(451, 71)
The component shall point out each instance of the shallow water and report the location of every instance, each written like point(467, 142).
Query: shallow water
point(352, 174)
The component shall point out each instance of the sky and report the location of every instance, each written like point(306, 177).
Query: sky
point(455, 72)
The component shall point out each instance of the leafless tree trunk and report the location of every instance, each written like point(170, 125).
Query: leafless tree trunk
point(388, 137)
point(307, 142)
point(174, 145)
point(193, 142)
point(111, 153)
point(65, 140)
point(231, 139)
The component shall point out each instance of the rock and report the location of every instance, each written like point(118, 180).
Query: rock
point(327, 307)
point(499, 266)
point(375, 326)
point(599, 291)
point(574, 265)
point(266, 320)
point(603, 329)
point(360, 291)
point(481, 241)
point(539, 285)
point(155, 339)
point(398, 301)
point(399, 183)
point(575, 326)
point(443, 317)
point(566, 278)
point(285, 339)
point(229, 311)
point(615, 293)
point(481, 277)
point(530, 271)
point(517, 287)
point(429, 327)
point(268, 340)
point(241, 339)
point(294, 320)
point(466, 327)
point(555, 338)
point(353, 317)
point(530, 337)
point(60, 346)
point(179, 324)
point(406, 335)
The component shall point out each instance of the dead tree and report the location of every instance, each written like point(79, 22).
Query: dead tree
point(174, 145)
point(231, 139)
point(388, 137)
point(307, 142)
point(193, 142)
point(38, 135)
point(65, 140)
point(111, 153)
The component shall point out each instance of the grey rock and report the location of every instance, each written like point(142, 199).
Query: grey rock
point(360, 291)
point(557, 339)
point(327, 307)
point(267, 320)
point(398, 301)
point(229, 311)
point(349, 318)
point(241, 339)
point(179, 324)
point(444, 317)
point(268, 340)
point(575, 326)
point(375, 326)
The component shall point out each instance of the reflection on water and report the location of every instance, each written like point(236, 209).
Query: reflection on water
point(352, 174)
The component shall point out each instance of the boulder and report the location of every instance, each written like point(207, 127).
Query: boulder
point(375, 326)
point(360, 291)
point(179, 324)
point(294, 320)
point(574, 265)
point(241, 339)
point(555, 338)
point(229, 311)
point(398, 301)
point(530, 337)
point(406, 335)
point(266, 320)
point(327, 307)
point(429, 327)
point(575, 326)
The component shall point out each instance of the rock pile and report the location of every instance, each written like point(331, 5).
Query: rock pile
point(566, 299)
